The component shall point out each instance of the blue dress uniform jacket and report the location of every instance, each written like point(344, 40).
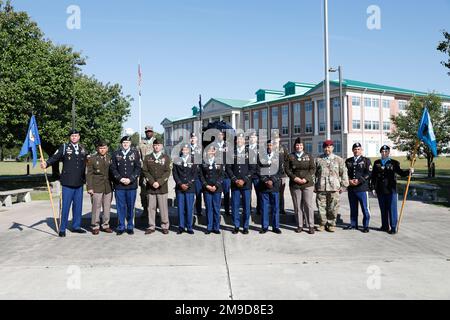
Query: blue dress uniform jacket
point(269, 171)
point(241, 169)
point(211, 175)
point(361, 170)
point(384, 179)
point(128, 166)
point(185, 174)
point(253, 154)
point(74, 165)
point(221, 157)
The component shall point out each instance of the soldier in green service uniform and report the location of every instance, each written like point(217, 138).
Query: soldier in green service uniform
point(331, 180)
point(145, 149)
point(157, 168)
point(99, 186)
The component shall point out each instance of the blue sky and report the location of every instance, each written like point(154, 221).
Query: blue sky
point(230, 49)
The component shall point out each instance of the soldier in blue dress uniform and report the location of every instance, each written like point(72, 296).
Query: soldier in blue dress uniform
point(253, 154)
point(222, 151)
point(359, 170)
point(125, 169)
point(211, 174)
point(185, 173)
point(384, 185)
point(73, 177)
point(270, 171)
point(241, 173)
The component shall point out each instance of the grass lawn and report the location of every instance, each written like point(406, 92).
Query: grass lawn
point(19, 168)
point(442, 165)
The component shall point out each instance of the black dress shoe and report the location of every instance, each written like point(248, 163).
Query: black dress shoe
point(190, 231)
point(263, 231)
point(299, 230)
point(245, 231)
point(366, 230)
point(311, 230)
point(79, 231)
point(383, 229)
point(62, 234)
point(130, 232)
point(277, 231)
point(235, 231)
point(180, 231)
point(207, 232)
point(216, 231)
point(350, 228)
point(119, 232)
point(392, 231)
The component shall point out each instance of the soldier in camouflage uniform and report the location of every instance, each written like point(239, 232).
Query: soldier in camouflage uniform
point(145, 149)
point(331, 179)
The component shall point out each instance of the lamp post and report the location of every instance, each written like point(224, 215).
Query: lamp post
point(341, 102)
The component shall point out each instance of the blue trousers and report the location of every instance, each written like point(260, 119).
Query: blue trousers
point(255, 183)
point(212, 202)
point(185, 204)
point(272, 199)
point(355, 199)
point(198, 196)
point(226, 186)
point(125, 201)
point(236, 204)
point(71, 197)
point(388, 208)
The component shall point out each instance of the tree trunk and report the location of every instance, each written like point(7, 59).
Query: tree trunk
point(1, 153)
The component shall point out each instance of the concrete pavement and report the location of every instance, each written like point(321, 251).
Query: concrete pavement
point(35, 264)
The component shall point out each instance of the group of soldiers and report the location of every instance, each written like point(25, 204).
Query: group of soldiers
point(233, 171)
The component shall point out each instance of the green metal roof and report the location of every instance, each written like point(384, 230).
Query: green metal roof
point(234, 103)
point(299, 84)
point(271, 91)
point(376, 87)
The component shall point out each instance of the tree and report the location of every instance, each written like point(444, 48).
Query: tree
point(407, 124)
point(444, 47)
point(38, 77)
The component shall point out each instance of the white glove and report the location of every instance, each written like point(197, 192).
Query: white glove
point(411, 170)
point(374, 193)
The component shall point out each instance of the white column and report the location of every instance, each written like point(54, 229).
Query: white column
point(316, 118)
point(221, 117)
point(233, 121)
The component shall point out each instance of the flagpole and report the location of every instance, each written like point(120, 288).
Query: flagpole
point(413, 162)
point(139, 99)
point(49, 191)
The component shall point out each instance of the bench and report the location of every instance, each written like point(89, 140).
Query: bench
point(23, 195)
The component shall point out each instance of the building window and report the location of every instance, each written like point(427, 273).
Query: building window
point(285, 120)
point(445, 108)
point(246, 121)
point(337, 146)
point(264, 119)
point(336, 125)
point(375, 103)
point(402, 105)
point(256, 120)
point(386, 126)
point(308, 147)
point(376, 125)
point(308, 106)
point(386, 104)
point(356, 101)
point(308, 128)
point(297, 118)
point(368, 125)
point(322, 125)
point(367, 102)
point(320, 147)
point(336, 103)
point(356, 124)
point(274, 118)
point(371, 125)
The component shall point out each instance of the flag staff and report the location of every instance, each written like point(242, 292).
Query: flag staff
point(413, 162)
point(139, 99)
point(48, 189)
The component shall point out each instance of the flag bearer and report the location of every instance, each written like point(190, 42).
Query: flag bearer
point(185, 172)
point(211, 175)
point(73, 177)
point(359, 169)
point(384, 185)
point(125, 169)
point(99, 186)
point(270, 171)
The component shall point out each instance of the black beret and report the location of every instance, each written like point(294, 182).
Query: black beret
point(73, 131)
point(193, 134)
point(101, 143)
point(385, 148)
point(125, 138)
point(270, 141)
point(298, 141)
point(356, 145)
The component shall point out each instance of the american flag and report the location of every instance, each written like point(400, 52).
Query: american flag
point(139, 78)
